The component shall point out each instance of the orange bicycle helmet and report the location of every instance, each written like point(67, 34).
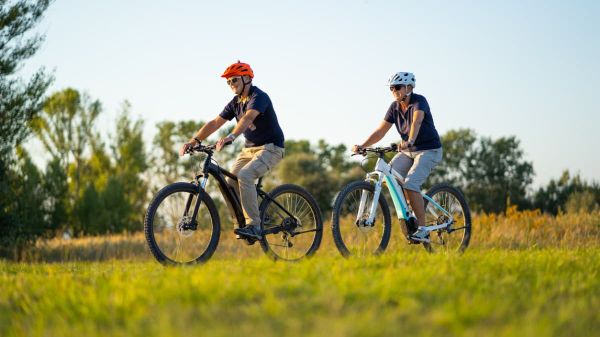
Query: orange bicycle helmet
point(238, 69)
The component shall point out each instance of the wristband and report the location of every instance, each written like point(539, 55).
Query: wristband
point(232, 136)
point(198, 140)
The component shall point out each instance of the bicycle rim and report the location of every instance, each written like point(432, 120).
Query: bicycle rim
point(352, 235)
point(454, 238)
point(300, 239)
point(176, 238)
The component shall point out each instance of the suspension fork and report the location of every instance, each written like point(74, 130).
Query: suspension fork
point(363, 202)
point(201, 186)
point(188, 203)
point(201, 183)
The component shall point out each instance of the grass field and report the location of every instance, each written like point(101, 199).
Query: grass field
point(533, 278)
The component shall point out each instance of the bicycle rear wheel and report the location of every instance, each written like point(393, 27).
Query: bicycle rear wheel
point(291, 222)
point(351, 233)
point(455, 237)
point(172, 236)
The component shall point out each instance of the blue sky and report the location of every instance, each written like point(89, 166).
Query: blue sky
point(523, 68)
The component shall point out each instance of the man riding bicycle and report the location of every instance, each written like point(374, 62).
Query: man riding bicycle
point(264, 147)
point(420, 149)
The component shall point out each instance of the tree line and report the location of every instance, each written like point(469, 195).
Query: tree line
point(94, 184)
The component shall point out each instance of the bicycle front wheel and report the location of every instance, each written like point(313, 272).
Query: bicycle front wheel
point(291, 221)
point(457, 235)
point(172, 235)
point(352, 233)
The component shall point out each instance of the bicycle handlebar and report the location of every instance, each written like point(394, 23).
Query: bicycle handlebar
point(379, 150)
point(208, 149)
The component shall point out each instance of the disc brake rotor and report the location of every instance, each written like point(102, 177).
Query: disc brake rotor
point(185, 227)
point(362, 224)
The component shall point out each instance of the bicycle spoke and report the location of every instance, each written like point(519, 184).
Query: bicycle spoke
point(178, 238)
point(296, 231)
point(447, 239)
point(352, 232)
point(304, 232)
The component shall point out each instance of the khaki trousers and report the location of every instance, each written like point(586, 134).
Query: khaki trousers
point(251, 164)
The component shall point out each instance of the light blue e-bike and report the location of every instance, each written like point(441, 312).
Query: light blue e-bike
point(361, 220)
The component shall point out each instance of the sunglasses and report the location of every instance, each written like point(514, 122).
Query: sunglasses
point(232, 80)
point(397, 87)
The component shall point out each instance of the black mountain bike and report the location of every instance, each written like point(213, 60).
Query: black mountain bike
point(182, 225)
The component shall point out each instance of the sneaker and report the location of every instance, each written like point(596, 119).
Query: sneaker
point(248, 241)
point(420, 235)
point(252, 232)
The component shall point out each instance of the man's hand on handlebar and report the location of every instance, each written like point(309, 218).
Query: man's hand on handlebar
point(223, 142)
point(187, 146)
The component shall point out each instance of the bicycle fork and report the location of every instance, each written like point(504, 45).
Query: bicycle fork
point(372, 208)
point(201, 185)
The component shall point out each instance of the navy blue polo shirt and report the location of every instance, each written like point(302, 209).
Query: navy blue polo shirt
point(265, 127)
point(428, 137)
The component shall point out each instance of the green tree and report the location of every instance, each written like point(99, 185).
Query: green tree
point(304, 169)
point(497, 175)
point(90, 213)
point(66, 129)
point(297, 146)
point(56, 186)
point(333, 157)
point(130, 164)
point(458, 147)
point(568, 193)
point(114, 194)
point(20, 101)
point(322, 170)
point(168, 166)
point(28, 212)
point(583, 201)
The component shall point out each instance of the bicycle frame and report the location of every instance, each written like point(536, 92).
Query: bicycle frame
point(229, 194)
point(384, 173)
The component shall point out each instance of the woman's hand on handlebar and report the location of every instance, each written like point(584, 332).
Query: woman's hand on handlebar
point(358, 150)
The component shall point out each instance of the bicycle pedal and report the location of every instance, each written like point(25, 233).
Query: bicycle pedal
point(248, 241)
point(244, 235)
point(414, 240)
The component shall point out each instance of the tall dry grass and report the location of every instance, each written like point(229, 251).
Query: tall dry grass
point(531, 229)
point(512, 230)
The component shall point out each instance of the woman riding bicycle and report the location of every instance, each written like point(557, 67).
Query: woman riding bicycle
point(420, 149)
point(256, 119)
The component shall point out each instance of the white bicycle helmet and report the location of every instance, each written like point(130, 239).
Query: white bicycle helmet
point(402, 78)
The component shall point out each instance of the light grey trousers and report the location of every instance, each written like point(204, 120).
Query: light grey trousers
point(251, 164)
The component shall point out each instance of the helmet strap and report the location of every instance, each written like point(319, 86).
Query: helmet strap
point(244, 86)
